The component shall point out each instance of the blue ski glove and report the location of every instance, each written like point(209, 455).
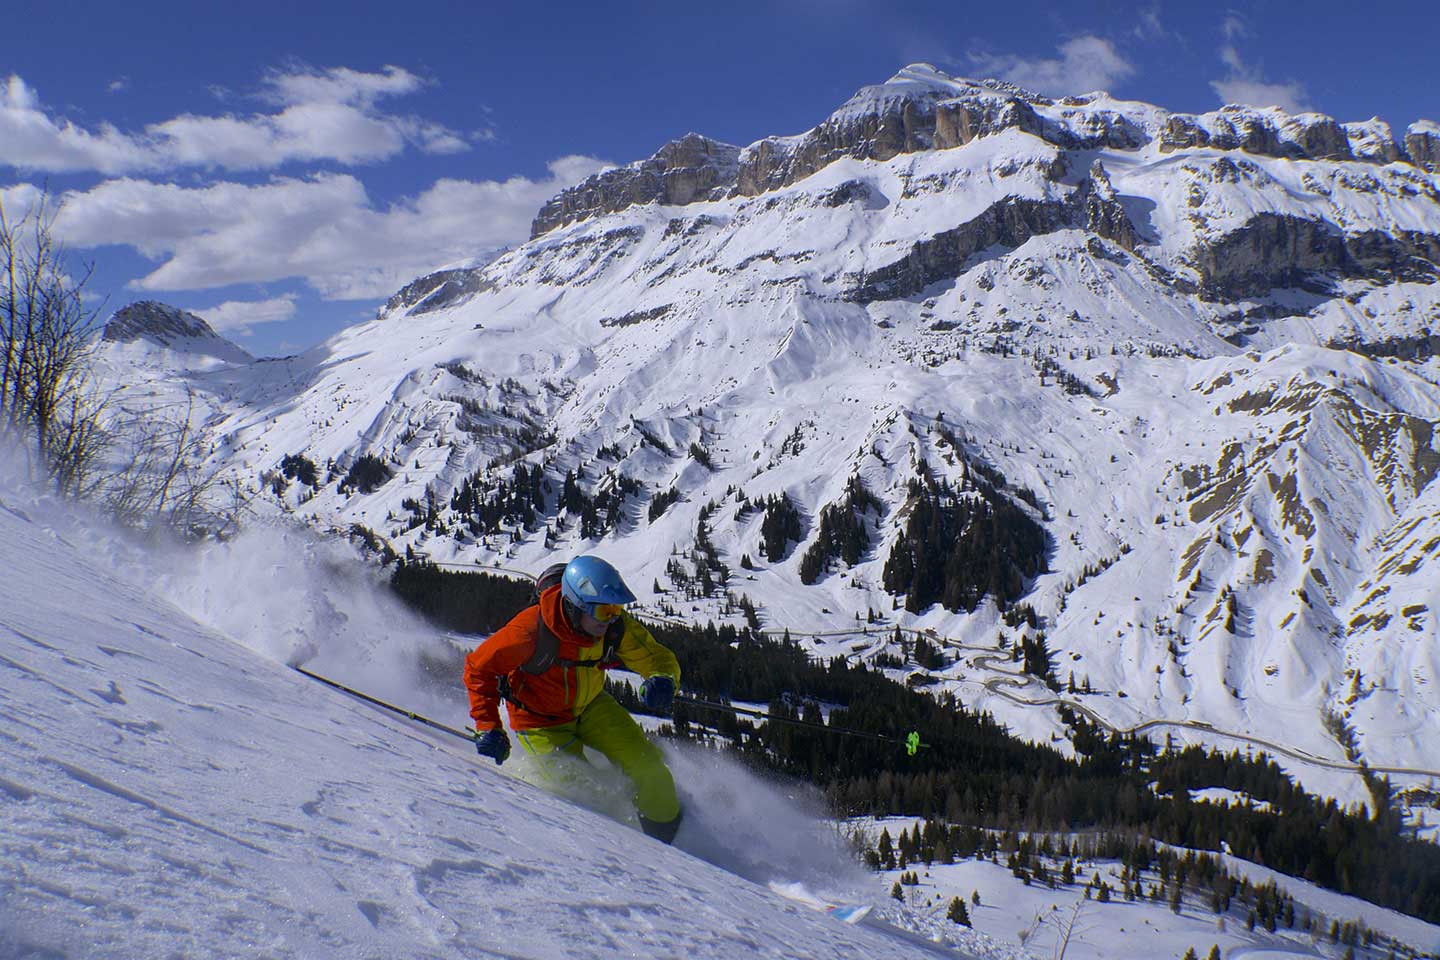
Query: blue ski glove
point(658, 692)
point(493, 743)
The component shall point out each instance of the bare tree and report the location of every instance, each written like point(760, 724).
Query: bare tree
point(148, 465)
point(46, 338)
point(1066, 927)
point(161, 474)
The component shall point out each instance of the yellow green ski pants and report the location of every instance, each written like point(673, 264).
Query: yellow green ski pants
point(608, 728)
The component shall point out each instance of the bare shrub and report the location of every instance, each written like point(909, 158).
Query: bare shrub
point(46, 342)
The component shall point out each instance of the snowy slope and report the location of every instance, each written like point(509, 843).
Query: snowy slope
point(168, 792)
point(1141, 927)
point(1134, 315)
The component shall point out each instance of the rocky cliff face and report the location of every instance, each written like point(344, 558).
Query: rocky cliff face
point(1422, 142)
point(1008, 223)
point(1269, 133)
point(921, 109)
point(683, 171)
point(1275, 251)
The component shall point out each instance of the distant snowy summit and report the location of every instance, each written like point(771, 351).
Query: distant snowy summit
point(179, 331)
point(921, 108)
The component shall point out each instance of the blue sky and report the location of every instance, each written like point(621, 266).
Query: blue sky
point(282, 168)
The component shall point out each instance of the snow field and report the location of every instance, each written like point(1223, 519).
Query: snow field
point(1035, 916)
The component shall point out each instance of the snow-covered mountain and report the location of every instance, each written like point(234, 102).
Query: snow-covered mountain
point(168, 336)
point(1165, 378)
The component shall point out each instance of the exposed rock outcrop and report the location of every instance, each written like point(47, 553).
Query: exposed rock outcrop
point(1102, 211)
point(1009, 223)
point(904, 126)
point(687, 170)
point(958, 122)
point(1273, 251)
point(1422, 346)
point(1093, 206)
point(443, 288)
point(1422, 142)
point(1269, 133)
point(1373, 141)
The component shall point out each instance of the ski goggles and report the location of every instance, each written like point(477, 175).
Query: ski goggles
point(605, 612)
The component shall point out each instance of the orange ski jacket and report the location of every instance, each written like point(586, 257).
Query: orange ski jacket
point(562, 692)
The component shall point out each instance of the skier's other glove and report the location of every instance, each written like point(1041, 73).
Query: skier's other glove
point(658, 692)
point(493, 743)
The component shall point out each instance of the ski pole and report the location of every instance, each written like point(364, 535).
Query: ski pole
point(408, 714)
point(911, 742)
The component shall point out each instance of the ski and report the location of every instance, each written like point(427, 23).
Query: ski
point(844, 912)
point(849, 913)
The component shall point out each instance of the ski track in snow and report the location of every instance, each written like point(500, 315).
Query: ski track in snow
point(166, 792)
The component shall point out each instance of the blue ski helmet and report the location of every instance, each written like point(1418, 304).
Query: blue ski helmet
point(590, 583)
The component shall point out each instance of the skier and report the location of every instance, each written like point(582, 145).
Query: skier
point(547, 664)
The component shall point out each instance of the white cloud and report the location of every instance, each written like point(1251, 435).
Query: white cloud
point(239, 316)
point(1085, 64)
point(1234, 27)
point(19, 201)
point(322, 229)
point(118, 85)
point(323, 115)
point(339, 85)
point(1245, 83)
point(31, 140)
point(1290, 97)
point(1150, 27)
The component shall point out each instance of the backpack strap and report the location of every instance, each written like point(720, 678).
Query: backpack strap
point(547, 648)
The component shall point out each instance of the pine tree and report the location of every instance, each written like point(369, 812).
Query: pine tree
point(886, 850)
point(958, 913)
point(897, 891)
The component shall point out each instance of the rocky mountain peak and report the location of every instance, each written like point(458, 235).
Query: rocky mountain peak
point(170, 327)
point(921, 108)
